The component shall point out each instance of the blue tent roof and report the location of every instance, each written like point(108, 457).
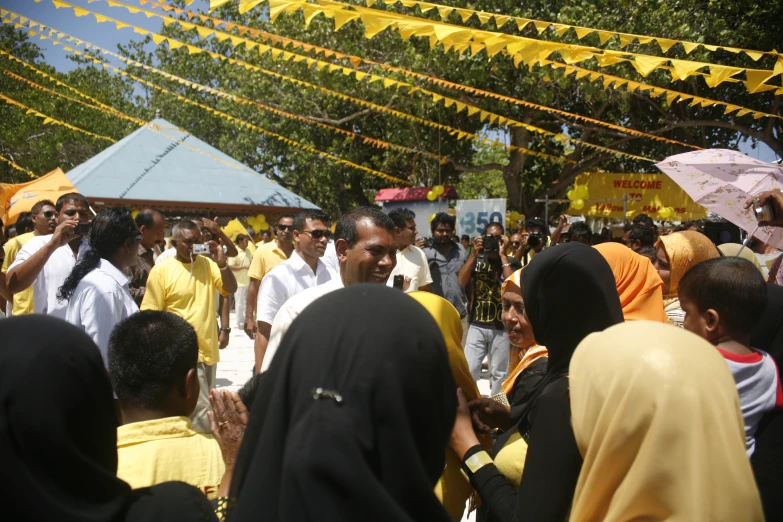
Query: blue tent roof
point(159, 163)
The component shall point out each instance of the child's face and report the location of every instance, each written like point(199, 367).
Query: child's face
point(702, 324)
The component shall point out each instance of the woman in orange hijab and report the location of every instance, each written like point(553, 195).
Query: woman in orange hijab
point(638, 284)
point(678, 253)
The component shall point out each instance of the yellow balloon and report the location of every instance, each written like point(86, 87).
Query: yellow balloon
point(432, 196)
point(431, 218)
point(514, 216)
point(581, 192)
point(578, 204)
point(439, 189)
point(264, 226)
point(261, 218)
point(134, 213)
point(571, 195)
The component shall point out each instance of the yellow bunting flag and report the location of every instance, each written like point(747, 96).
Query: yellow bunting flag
point(18, 167)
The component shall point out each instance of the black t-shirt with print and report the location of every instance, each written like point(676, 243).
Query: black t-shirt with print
point(487, 280)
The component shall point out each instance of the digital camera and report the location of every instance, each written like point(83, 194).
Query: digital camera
point(534, 239)
point(490, 243)
point(429, 242)
point(200, 248)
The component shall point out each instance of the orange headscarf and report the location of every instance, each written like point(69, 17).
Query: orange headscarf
point(685, 249)
point(638, 284)
point(514, 284)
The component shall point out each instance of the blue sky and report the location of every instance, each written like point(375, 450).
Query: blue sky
point(107, 36)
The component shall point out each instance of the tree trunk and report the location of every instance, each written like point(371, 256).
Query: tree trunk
point(512, 174)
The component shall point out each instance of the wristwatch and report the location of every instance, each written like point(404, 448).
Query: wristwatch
point(227, 330)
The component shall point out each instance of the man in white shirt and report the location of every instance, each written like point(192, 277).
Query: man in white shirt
point(364, 240)
point(46, 261)
point(239, 266)
point(411, 260)
point(97, 290)
point(304, 269)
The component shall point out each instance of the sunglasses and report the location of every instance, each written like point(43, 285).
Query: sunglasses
point(516, 243)
point(49, 214)
point(283, 228)
point(318, 234)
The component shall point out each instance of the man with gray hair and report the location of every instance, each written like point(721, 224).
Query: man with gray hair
point(185, 285)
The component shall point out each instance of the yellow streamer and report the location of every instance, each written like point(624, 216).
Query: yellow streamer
point(387, 83)
point(19, 167)
point(452, 131)
point(523, 50)
point(47, 120)
point(581, 32)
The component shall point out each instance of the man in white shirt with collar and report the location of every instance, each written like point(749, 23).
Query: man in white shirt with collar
point(364, 240)
point(411, 260)
point(304, 269)
point(45, 261)
point(97, 290)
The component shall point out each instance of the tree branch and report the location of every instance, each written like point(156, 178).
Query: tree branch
point(342, 120)
point(478, 168)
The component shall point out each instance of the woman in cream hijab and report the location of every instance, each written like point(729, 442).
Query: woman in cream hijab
point(678, 253)
point(660, 430)
point(452, 489)
point(732, 249)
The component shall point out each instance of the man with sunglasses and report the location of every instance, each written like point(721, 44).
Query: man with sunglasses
point(265, 258)
point(43, 221)
point(46, 261)
point(304, 269)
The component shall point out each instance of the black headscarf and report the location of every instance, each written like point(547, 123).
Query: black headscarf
point(569, 292)
point(374, 454)
point(767, 335)
point(58, 432)
point(767, 459)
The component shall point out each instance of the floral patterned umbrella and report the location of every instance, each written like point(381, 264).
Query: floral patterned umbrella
point(722, 180)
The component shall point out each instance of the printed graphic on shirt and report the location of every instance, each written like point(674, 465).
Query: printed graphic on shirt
point(487, 309)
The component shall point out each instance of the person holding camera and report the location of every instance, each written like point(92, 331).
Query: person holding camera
point(533, 241)
point(484, 272)
point(186, 285)
point(44, 262)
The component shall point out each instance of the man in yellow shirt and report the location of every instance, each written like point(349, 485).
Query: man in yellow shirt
point(185, 285)
point(152, 366)
point(42, 221)
point(266, 257)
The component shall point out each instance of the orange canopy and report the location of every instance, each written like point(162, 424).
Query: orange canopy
point(20, 197)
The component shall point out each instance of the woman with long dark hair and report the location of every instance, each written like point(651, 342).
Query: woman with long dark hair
point(97, 289)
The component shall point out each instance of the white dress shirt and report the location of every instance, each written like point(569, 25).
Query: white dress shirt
point(330, 258)
point(167, 254)
point(290, 311)
point(285, 281)
point(412, 263)
point(57, 268)
point(100, 301)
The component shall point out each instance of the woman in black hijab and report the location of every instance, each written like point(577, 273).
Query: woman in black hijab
point(352, 419)
point(569, 292)
point(767, 459)
point(58, 434)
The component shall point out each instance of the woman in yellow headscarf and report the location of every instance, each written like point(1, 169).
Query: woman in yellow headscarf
point(678, 253)
point(638, 284)
point(659, 428)
point(452, 489)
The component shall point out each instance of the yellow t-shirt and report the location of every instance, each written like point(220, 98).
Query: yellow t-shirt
point(23, 301)
point(171, 287)
point(265, 258)
point(161, 450)
point(243, 258)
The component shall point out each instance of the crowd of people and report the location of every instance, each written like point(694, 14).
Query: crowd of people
point(630, 378)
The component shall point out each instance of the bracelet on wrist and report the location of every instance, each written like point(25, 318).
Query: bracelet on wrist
point(475, 459)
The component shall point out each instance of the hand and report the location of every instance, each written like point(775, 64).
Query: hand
point(462, 436)
point(478, 243)
point(406, 283)
point(775, 197)
point(563, 221)
point(212, 226)
point(223, 340)
point(523, 243)
point(216, 254)
point(64, 231)
point(502, 244)
point(420, 242)
point(227, 424)
point(488, 415)
point(250, 326)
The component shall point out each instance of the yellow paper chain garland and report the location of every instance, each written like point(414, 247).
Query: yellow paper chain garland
point(19, 167)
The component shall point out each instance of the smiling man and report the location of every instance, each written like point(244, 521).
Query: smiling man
point(367, 251)
point(303, 270)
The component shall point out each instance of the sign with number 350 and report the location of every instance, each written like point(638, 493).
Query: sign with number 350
point(473, 215)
